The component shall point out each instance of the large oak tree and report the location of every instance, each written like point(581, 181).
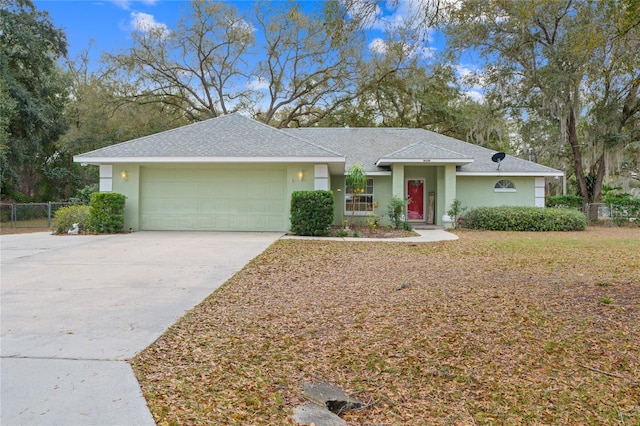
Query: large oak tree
point(33, 93)
point(570, 63)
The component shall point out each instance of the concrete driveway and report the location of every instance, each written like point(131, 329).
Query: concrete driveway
point(75, 308)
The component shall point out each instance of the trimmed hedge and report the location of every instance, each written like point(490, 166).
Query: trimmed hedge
point(65, 217)
point(311, 212)
point(107, 212)
point(509, 218)
point(565, 201)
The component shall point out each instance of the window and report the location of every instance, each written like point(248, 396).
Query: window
point(504, 185)
point(362, 202)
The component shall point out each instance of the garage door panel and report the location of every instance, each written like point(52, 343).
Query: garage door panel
point(247, 199)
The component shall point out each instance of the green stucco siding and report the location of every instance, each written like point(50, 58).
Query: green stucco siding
point(476, 191)
point(130, 189)
point(216, 198)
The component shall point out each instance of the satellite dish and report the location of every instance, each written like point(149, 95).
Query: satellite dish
point(498, 157)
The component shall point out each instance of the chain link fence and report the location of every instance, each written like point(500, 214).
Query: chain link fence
point(29, 215)
point(611, 214)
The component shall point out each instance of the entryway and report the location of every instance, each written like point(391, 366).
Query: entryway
point(420, 206)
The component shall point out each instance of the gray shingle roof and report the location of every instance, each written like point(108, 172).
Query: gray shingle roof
point(237, 136)
point(482, 162)
point(368, 145)
point(423, 150)
point(364, 145)
point(231, 135)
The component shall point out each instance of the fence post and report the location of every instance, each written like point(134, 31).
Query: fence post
point(49, 214)
point(587, 213)
point(611, 221)
point(13, 215)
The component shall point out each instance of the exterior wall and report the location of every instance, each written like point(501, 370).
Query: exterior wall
point(130, 189)
point(472, 191)
point(383, 190)
point(337, 187)
point(398, 188)
point(477, 191)
point(131, 186)
point(450, 192)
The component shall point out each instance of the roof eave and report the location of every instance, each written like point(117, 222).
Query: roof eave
point(193, 160)
point(373, 173)
point(498, 173)
point(456, 161)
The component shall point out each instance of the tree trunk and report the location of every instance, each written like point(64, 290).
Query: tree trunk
point(597, 186)
point(572, 135)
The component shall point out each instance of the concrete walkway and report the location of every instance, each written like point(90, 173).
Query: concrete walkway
point(74, 309)
point(426, 235)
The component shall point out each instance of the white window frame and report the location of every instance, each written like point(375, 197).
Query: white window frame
point(507, 186)
point(368, 192)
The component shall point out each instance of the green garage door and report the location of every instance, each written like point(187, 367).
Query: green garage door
point(214, 199)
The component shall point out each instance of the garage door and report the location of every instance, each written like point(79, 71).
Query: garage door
point(215, 199)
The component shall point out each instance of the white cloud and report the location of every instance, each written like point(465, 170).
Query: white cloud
point(122, 4)
point(424, 51)
point(258, 83)
point(243, 25)
point(475, 95)
point(126, 4)
point(381, 47)
point(407, 13)
point(472, 79)
point(471, 76)
point(145, 22)
point(378, 45)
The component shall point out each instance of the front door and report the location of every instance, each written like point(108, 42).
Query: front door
point(415, 194)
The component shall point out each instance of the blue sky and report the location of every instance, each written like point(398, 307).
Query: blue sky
point(108, 24)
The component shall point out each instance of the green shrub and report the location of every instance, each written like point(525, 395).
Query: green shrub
point(524, 219)
point(83, 195)
point(65, 217)
point(106, 212)
point(455, 211)
point(342, 233)
point(565, 201)
point(311, 212)
point(395, 209)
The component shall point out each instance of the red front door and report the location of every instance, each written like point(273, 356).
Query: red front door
point(415, 193)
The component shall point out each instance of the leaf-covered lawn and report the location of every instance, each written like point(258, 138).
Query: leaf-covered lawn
point(495, 328)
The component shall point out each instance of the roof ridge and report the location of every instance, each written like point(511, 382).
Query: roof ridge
point(421, 142)
point(352, 128)
point(401, 149)
point(283, 131)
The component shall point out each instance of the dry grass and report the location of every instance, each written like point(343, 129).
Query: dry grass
point(9, 230)
point(496, 328)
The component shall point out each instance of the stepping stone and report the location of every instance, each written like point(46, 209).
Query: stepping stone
point(313, 414)
point(330, 396)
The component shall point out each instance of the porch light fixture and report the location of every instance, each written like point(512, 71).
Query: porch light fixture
point(124, 175)
point(301, 175)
